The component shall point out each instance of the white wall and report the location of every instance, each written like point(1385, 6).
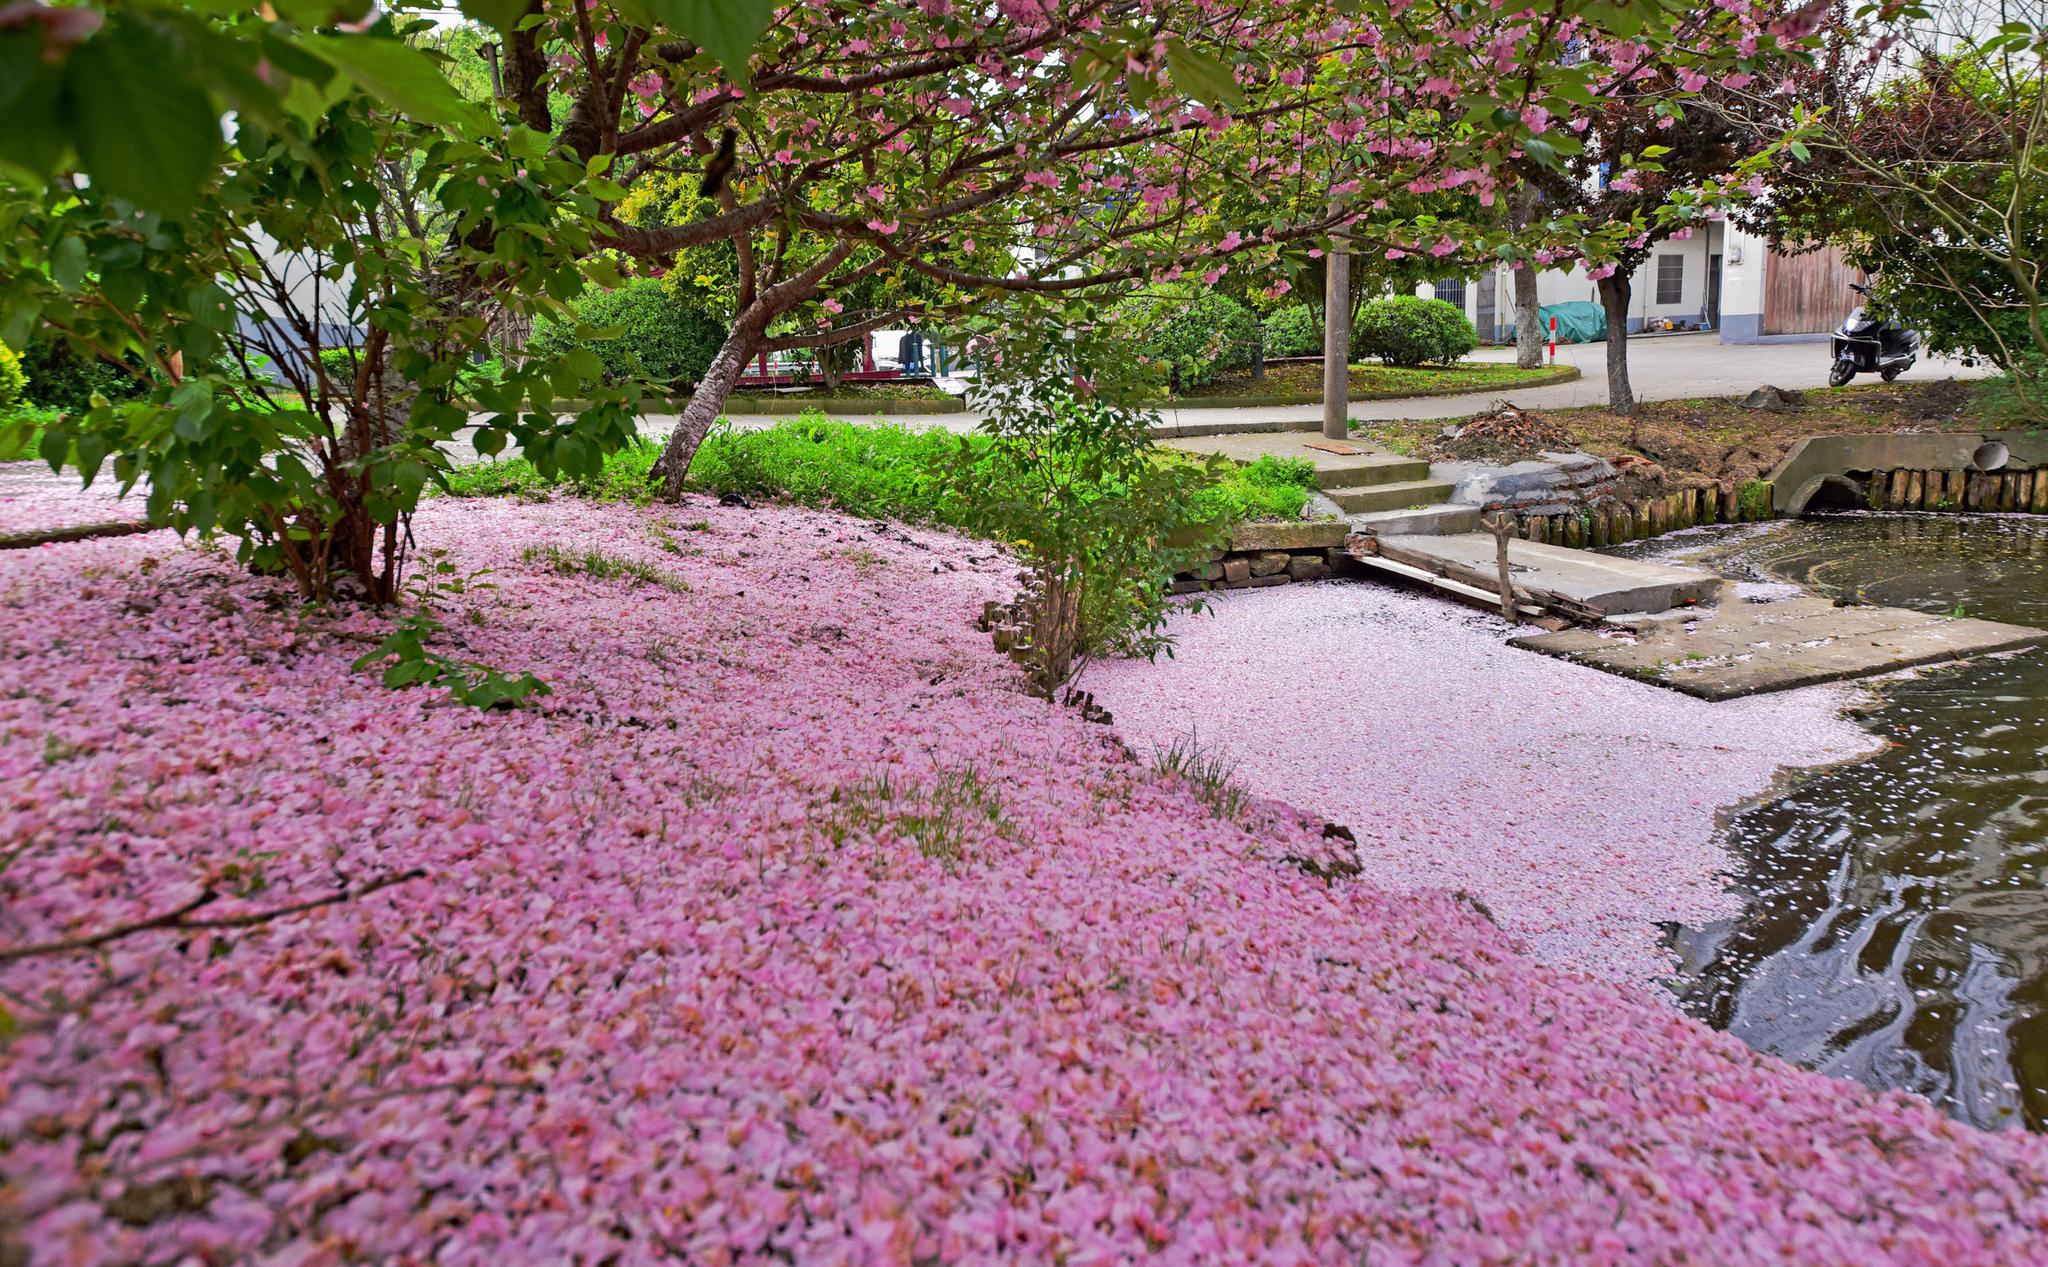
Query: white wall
point(1741, 281)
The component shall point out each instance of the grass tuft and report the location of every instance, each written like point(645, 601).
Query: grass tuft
point(1212, 775)
point(941, 817)
point(566, 561)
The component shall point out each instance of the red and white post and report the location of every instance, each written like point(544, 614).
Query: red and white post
point(1553, 340)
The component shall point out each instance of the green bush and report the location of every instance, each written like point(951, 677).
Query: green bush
point(667, 339)
point(12, 380)
point(1408, 330)
point(1071, 479)
point(1195, 340)
point(59, 378)
point(1296, 331)
point(875, 472)
point(1270, 488)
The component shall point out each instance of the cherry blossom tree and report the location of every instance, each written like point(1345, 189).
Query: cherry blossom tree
point(1021, 147)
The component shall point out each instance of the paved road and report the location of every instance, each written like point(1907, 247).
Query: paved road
point(1663, 367)
point(1666, 367)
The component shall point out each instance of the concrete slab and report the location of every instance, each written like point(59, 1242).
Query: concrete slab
point(1366, 464)
point(1598, 581)
point(1426, 521)
point(1750, 646)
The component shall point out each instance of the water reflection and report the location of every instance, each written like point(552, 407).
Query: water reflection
point(1898, 928)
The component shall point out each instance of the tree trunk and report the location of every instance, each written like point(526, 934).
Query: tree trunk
point(1337, 342)
point(706, 404)
point(1528, 319)
point(1614, 297)
point(1529, 331)
point(829, 368)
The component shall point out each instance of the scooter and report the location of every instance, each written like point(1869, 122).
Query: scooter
point(1863, 344)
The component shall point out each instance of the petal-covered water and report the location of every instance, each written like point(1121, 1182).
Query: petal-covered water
point(1897, 930)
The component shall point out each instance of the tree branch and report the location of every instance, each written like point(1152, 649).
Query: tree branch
point(179, 919)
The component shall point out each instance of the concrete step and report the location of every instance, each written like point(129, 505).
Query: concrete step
point(1367, 469)
point(1398, 495)
point(1439, 520)
point(1595, 581)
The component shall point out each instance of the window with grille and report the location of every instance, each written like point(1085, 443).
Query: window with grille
point(1670, 279)
point(1452, 292)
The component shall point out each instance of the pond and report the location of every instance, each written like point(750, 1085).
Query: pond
point(1896, 928)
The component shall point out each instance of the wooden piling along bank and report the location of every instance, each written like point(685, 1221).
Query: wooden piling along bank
point(1962, 491)
point(1613, 522)
point(1957, 491)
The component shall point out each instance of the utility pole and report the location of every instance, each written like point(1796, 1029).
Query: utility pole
point(1337, 340)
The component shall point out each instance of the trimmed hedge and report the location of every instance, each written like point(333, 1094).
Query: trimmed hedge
point(1198, 340)
point(669, 340)
point(59, 378)
point(1296, 331)
point(1407, 330)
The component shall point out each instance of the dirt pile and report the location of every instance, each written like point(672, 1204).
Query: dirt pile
point(1506, 434)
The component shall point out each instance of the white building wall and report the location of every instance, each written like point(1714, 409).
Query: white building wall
point(1743, 258)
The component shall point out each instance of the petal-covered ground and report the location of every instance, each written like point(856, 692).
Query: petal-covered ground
point(1579, 807)
point(34, 499)
point(789, 930)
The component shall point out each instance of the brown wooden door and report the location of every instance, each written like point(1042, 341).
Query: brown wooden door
point(1808, 293)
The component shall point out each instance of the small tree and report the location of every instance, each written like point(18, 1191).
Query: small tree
point(1652, 158)
point(1930, 169)
point(300, 335)
point(1099, 519)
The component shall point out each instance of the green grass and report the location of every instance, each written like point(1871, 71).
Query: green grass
point(1306, 380)
point(871, 470)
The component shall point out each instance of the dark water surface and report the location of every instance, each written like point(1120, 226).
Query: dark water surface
point(1897, 928)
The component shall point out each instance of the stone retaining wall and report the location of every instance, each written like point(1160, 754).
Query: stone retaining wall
point(1263, 554)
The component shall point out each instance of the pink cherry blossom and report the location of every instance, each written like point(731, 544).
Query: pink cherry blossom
point(790, 929)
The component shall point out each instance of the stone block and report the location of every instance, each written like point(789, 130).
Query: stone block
point(1293, 534)
point(1255, 582)
point(1235, 571)
point(1307, 567)
point(1268, 562)
point(1210, 571)
point(1187, 587)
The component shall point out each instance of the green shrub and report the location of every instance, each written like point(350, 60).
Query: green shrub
point(1195, 340)
point(1270, 488)
point(59, 378)
point(12, 380)
point(1408, 330)
point(2016, 398)
point(1071, 479)
point(878, 472)
point(668, 340)
point(1296, 331)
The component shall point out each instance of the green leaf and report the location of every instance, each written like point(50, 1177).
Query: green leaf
point(145, 131)
point(32, 141)
point(500, 15)
point(401, 77)
point(67, 264)
point(1202, 77)
point(726, 29)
